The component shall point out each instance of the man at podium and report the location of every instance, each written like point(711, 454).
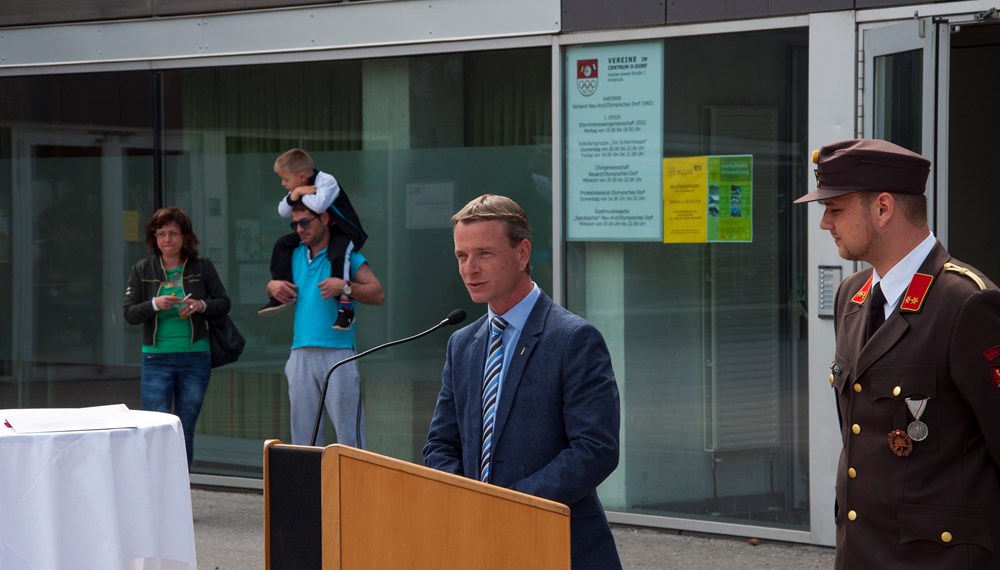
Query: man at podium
point(528, 398)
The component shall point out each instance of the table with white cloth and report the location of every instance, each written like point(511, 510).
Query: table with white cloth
point(96, 499)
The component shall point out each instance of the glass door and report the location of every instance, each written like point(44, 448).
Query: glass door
point(905, 97)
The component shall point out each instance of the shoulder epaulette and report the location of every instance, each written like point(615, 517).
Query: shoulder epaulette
point(949, 266)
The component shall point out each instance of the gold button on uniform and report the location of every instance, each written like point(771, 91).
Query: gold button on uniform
point(857, 387)
point(897, 391)
point(856, 429)
point(831, 379)
point(945, 536)
point(852, 473)
point(851, 515)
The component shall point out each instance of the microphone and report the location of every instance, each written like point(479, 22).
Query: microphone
point(455, 317)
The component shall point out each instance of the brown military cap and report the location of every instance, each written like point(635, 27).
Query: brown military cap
point(870, 165)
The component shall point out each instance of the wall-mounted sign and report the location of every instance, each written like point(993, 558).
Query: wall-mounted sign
point(614, 142)
point(708, 199)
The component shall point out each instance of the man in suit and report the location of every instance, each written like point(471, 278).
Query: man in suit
point(918, 395)
point(528, 398)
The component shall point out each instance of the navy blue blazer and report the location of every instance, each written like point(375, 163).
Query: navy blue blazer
point(556, 427)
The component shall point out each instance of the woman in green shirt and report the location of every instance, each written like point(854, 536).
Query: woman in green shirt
point(170, 293)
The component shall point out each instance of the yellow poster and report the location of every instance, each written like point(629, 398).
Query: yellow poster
point(684, 199)
point(130, 226)
point(708, 199)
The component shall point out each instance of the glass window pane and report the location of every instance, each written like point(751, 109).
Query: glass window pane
point(710, 347)
point(78, 153)
point(411, 140)
point(899, 98)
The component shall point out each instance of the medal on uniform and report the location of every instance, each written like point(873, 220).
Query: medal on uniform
point(917, 430)
point(900, 443)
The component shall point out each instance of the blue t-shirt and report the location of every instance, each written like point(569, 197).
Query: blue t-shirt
point(314, 315)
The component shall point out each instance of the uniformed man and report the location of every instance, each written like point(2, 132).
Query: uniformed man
point(918, 395)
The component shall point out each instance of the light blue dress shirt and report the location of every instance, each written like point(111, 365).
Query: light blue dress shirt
point(516, 317)
point(896, 280)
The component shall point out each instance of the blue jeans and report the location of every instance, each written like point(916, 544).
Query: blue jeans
point(176, 383)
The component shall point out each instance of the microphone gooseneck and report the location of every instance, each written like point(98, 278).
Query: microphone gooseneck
point(453, 318)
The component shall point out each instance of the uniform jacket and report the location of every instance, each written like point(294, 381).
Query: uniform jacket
point(556, 427)
point(199, 278)
point(938, 507)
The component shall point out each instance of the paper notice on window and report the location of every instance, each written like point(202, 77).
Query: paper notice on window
point(708, 199)
point(429, 205)
point(43, 420)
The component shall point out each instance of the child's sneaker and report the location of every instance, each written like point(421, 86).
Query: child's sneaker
point(345, 317)
point(273, 307)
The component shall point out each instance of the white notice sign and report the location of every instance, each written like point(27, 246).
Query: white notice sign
point(614, 142)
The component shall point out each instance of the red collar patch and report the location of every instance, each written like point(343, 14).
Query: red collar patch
point(995, 375)
point(862, 293)
point(915, 293)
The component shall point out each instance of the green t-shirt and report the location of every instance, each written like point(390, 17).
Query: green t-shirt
point(173, 334)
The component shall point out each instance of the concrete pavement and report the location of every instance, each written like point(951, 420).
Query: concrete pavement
point(229, 535)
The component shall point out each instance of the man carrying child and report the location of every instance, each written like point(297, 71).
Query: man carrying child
point(320, 192)
point(319, 300)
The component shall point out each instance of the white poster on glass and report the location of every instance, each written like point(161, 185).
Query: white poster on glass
point(614, 142)
point(429, 205)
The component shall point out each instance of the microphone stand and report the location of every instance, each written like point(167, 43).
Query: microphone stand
point(454, 317)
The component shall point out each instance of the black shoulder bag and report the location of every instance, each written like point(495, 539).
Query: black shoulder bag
point(225, 340)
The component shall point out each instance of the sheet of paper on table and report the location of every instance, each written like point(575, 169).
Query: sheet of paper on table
point(41, 420)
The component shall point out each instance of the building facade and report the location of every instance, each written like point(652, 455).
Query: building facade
point(656, 147)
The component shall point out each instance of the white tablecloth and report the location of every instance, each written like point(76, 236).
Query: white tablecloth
point(96, 500)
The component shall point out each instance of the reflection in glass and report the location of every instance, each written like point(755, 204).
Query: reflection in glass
point(899, 99)
point(81, 174)
point(708, 340)
point(411, 140)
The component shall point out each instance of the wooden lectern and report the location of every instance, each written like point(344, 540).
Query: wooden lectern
point(338, 507)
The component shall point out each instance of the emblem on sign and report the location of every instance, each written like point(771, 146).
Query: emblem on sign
point(586, 76)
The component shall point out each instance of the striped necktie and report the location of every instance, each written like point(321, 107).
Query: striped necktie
point(491, 385)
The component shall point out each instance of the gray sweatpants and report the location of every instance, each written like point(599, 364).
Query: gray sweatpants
point(306, 370)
